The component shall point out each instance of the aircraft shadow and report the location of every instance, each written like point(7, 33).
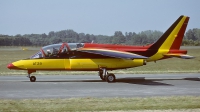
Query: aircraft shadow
point(142, 81)
point(192, 79)
point(152, 82)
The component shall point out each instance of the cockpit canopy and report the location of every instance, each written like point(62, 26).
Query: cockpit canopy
point(56, 50)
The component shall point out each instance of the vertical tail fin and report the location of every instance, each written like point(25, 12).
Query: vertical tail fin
point(172, 38)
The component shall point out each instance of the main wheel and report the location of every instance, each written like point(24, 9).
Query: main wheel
point(32, 78)
point(110, 77)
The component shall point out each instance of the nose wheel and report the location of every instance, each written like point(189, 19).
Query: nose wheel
point(32, 78)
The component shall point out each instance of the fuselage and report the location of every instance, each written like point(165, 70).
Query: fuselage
point(76, 64)
point(72, 60)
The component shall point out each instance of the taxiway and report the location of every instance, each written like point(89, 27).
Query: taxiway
point(70, 86)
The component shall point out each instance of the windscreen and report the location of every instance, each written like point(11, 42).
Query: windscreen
point(37, 55)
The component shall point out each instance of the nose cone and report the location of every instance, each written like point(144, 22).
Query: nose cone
point(11, 66)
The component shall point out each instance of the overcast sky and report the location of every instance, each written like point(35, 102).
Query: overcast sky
point(94, 16)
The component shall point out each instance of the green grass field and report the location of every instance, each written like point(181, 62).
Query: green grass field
point(102, 104)
point(173, 65)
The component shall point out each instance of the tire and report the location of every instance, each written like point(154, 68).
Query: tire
point(32, 78)
point(110, 77)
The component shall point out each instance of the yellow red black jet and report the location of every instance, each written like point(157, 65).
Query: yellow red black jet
point(104, 57)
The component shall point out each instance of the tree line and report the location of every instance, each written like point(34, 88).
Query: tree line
point(192, 38)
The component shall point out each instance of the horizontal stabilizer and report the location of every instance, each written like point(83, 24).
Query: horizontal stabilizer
point(112, 53)
point(183, 56)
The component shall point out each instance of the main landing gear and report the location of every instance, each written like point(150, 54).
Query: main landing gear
point(32, 78)
point(105, 76)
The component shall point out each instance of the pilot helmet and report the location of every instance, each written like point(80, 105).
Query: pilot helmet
point(48, 51)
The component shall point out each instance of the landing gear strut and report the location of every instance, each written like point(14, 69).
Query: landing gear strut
point(105, 76)
point(32, 78)
point(101, 75)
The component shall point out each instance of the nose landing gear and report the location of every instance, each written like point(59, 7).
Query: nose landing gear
point(32, 78)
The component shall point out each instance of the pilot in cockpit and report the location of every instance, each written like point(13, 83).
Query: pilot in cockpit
point(48, 53)
point(64, 51)
point(55, 51)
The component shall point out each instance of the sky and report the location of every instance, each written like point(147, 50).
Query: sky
point(98, 17)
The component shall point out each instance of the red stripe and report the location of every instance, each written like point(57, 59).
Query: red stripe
point(177, 42)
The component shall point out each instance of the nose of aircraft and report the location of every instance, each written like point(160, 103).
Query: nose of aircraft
point(11, 66)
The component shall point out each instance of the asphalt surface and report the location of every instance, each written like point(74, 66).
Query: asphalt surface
point(70, 86)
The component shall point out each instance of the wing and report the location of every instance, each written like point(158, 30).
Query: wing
point(112, 53)
point(183, 56)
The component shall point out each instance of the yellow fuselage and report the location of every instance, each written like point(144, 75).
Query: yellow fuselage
point(77, 64)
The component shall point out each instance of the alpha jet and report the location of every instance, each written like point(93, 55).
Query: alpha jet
point(105, 57)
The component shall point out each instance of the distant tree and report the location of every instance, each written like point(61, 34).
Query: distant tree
point(44, 35)
point(87, 38)
point(116, 40)
point(190, 35)
point(119, 38)
point(56, 41)
point(196, 32)
point(51, 34)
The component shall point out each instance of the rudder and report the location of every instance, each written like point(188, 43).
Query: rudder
point(178, 40)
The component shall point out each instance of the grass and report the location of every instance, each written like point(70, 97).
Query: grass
point(173, 65)
point(101, 104)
